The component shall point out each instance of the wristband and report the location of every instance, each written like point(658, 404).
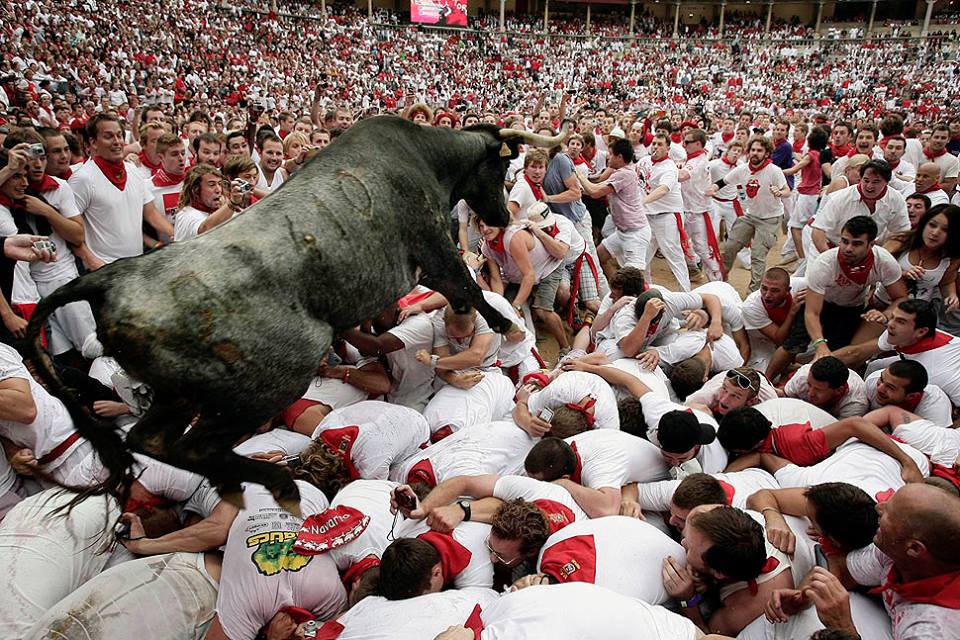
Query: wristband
point(692, 602)
point(433, 361)
point(818, 341)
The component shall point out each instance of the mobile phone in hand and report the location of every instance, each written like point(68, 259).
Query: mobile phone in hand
point(406, 499)
point(820, 557)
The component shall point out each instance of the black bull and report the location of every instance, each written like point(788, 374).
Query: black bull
point(230, 327)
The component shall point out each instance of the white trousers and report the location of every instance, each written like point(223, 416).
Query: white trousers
point(695, 225)
point(666, 237)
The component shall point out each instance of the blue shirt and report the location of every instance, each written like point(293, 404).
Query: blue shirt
point(560, 168)
point(783, 158)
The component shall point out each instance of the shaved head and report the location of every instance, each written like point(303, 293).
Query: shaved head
point(931, 516)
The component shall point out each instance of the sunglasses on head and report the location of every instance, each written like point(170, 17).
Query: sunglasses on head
point(743, 381)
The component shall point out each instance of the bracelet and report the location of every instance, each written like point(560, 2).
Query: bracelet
point(692, 602)
point(818, 341)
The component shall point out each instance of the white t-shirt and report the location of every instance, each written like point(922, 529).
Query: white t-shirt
point(730, 303)
point(557, 503)
point(472, 540)
point(940, 444)
point(573, 386)
point(852, 403)
point(165, 199)
point(52, 425)
point(63, 200)
point(661, 173)
point(612, 458)
point(279, 177)
point(760, 202)
point(412, 381)
point(824, 276)
point(781, 411)
point(911, 620)
point(755, 317)
point(372, 499)
point(617, 553)
point(890, 213)
point(707, 394)
point(489, 400)
point(941, 363)
point(655, 380)
point(374, 435)
point(186, 223)
point(262, 574)
point(522, 194)
point(512, 353)
point(694, 190)
point(426, 616)
point(290, 442)
point(854, 463)
point(580, 611)
point(624, 321)
point(934, 405)
point(113, 219)
point(498, 448)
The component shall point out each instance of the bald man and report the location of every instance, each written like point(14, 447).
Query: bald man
point(927, 183)
point(916, 559)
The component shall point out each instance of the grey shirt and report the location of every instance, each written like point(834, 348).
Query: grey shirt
point(560, 167)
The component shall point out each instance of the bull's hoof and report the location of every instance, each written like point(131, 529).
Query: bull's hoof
point(291, 505)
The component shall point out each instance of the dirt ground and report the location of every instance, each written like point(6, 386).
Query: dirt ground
point(739, 278)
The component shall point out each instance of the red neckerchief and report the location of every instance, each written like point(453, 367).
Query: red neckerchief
point(357, 569)
point(777, 143)
point(779, 314)
point(727, 137)
point(199, 206)
point(763, 165)
point(655, 161)
point(727, 162)
point(580, 160)
point(552, 231)
point(584, 409)
point(66, 174)
point(857, 273)
point(145, 161)
point(942, 591)
point(894, 165)
point(768, 566)
point(537, 189)
point(6, 201)
point(588, 158)
point(454, 557)
point(44, 185)
point(798, 145)
point(691, 156)
point(863, 198)
point(558, 515)
point(911, 405)
point(676, 137)
point(839, 151)
point(933, 155)
point(577, 475)
point(937, 340)
point(115, 172)
point(496, 244)
point(934, 187)
point(163, 179)
point(854, 152)
point(729, 491)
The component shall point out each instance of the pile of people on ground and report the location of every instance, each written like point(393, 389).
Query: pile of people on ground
point(734, 436)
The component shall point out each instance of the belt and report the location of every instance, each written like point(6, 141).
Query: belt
point(60, 449)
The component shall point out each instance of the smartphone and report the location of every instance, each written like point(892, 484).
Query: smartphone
point(546, 414)
point(820, 557)
point(122, 530)
point(406, 498)
point(291, 461)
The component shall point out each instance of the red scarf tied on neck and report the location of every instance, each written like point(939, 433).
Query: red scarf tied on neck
point(942, 591)
point(584, 409)
point(163, 179)
point(115, 172)
point(763, 165)
point(497, 243)
point(727, 137)
point(933, 155)
point(45, 184)
point(778, 314)
point(934, 187)
point(6, 201)
point(536, 188)
point(197, 204)
point(691, 156)
point(798, 145)
point(857, 273)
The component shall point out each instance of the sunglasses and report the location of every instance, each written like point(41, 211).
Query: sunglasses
point(743, 381)
point(496, 556)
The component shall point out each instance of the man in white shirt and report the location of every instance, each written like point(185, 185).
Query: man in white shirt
point(769, 315)
point(702, 225)
point(764, 185)
point(871, 197)
point(664, 207)
point(166, 183)
point(903, 171)
point(112, 198)
point(593, 397)
point(839, 282)
point(203, 203)
point(927, 183)
point(935, 151)
point(830, 385)
point(271, 174)
point(904, 384)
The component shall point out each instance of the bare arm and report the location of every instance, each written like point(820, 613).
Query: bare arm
point(157, 220)
point(521, 257)
point(216, 218)
point(370, 345)
point(572, 193)
point(595, 502)
point(742, 608)
point(208, 534)
point(471, 357)
point(449, 490)
point(819, 238)
point(868, 433)
point(811, 316)
point(656, 194)
point(16, 401)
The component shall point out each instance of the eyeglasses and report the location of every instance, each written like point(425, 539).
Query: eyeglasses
point(689, 141)
point(743, 381)
point(496, 556)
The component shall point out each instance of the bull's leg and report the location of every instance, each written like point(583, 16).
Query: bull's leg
point(201, 451)
point(444, 271)
point(161, 426)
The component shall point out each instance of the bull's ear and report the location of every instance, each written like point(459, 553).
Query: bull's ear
point(505, 151)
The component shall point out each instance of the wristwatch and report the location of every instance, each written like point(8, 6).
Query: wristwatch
point(692, 602)
point(465, 505)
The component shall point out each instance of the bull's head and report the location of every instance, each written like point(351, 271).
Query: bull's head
point(483, 189)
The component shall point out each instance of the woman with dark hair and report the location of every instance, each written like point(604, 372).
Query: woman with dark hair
point(930, 256)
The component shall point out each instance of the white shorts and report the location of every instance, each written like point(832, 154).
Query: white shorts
point(629, 247)
point(167, 597)
point(804, 210)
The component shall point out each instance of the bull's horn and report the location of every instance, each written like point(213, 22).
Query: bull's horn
point(536, 139)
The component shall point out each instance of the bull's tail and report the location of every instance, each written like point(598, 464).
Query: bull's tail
point(106, 440)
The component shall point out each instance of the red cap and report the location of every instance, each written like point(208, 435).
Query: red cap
point(330, 529)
